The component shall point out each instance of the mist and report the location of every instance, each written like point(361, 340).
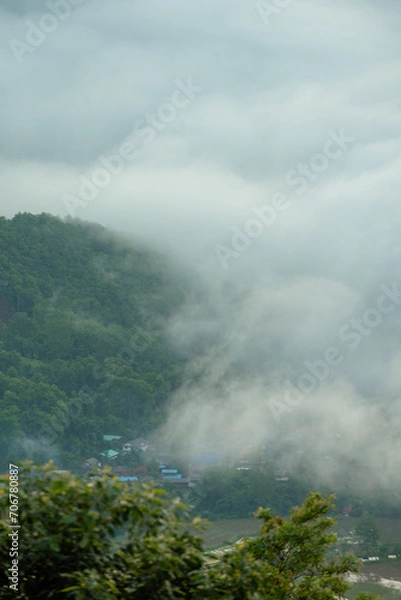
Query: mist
point(261, 153)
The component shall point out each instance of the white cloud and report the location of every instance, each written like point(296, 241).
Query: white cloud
point(271, 94)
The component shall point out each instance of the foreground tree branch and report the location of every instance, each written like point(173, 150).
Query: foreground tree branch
point(99, 539)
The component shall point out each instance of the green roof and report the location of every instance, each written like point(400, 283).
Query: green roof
point(110, 438)
point(109, 453)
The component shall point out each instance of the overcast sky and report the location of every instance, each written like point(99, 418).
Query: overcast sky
point(261, 147)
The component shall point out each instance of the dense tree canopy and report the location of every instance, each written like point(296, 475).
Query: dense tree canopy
point(101, 540)
point(82, 346)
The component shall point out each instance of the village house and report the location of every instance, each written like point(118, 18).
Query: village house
point(137, 444)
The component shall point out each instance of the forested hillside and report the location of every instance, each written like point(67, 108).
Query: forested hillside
point(81, 337)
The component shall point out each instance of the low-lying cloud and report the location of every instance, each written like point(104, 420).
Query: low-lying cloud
point(275, 286)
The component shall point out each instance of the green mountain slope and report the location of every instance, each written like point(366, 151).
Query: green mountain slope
point(82, 351)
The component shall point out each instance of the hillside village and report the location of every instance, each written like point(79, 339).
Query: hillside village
point(139, 460)
point(142, 460)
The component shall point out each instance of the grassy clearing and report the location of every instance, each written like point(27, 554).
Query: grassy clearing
point(372, 588)
point(387, 569)
point(390, 529)
point(224, 532)
point(228, 531)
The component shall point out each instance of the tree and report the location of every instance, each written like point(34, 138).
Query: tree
point(100, 539)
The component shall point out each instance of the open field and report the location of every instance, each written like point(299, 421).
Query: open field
point(224, 531)
point(387, 569)
point(371, 588)
point(390, 529)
